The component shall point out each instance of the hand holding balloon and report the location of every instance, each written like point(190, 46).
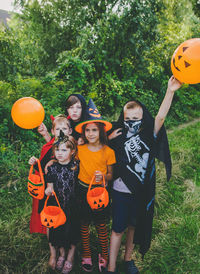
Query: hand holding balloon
point(173, 84)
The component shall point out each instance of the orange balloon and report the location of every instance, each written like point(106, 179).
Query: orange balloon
point(185, 62)
point(27, 113)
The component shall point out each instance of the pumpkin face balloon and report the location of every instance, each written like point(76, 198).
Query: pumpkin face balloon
point(185, 62)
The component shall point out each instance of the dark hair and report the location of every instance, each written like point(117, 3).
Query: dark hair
point(71, 101)
point(102, 133)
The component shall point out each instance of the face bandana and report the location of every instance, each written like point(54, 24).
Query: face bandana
point(132, 126)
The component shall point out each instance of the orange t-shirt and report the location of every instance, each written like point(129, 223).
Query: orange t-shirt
point(90, 161)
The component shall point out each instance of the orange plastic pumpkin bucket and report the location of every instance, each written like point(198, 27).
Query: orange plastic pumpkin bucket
point(97, 197)
point(52, 216)
point(36, 183)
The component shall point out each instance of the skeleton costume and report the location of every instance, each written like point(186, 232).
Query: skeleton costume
point(134, 172)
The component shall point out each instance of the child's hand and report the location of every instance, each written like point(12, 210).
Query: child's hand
point(98, 176)
point(174, 84)
point(80, 141)
point(115, 133)
point(32, 160)
point(42, 129)
point(50, 163)
point(49, 190)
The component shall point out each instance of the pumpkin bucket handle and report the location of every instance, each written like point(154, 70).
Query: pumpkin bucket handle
point(40, 171)
point(91, 182)
point(45, 204)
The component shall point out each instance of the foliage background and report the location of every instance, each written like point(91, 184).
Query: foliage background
point(110, 51)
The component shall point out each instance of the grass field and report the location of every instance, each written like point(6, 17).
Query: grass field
point(176, 229)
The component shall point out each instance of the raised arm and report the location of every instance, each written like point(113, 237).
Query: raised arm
point(42, 129)
point(173, 85)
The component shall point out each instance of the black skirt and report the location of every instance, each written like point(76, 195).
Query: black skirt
point(69, 233)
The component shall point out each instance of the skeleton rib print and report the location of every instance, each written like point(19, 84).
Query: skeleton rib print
point(137, 153)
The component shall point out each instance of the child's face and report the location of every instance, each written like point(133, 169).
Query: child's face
point(64, 126)
point(75, 111)
point(133, 114)
point(92, 133)
point(63, 154)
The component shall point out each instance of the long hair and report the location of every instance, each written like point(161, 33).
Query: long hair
point(102, 133)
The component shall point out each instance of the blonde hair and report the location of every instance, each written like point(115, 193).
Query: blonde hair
point(131, 105)
point(59, 119)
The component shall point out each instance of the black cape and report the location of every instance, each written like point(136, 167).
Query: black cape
point(159, 148)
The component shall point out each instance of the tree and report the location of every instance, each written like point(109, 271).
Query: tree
point(9, 57)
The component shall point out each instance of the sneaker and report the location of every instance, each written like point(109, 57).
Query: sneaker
point(130, 268)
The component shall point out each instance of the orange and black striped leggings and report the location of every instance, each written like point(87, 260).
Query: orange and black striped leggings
point(103, 240)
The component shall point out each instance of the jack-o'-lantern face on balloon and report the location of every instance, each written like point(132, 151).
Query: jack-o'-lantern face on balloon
point(185, 62)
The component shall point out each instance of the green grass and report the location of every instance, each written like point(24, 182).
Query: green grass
point(175, 244)
point(176, 235)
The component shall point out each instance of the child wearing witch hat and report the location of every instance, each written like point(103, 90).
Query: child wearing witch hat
point(96, 160)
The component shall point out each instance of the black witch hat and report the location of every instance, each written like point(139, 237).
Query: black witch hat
point(92, 116)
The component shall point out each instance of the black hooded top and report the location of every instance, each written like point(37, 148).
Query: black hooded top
point(154, 147)
point(75, 134)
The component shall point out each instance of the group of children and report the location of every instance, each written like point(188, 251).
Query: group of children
point(78, 152)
